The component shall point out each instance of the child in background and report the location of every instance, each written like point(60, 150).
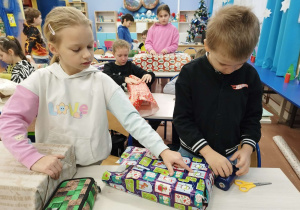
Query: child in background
point(34, 45)
point(144, 37)
point(11, 53)
point(162, 37)
point(121, 69)
point(219, 96)
point(70, 99)
point(123, 31)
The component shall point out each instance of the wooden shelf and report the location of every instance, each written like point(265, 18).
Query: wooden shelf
point(82, 6)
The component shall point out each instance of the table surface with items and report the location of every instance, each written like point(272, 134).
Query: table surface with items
point(281, 194)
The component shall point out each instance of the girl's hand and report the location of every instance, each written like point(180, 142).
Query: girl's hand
point(243, 157)
point(131, 81)
point(164, 51)
point(49, 164)
point(152, 52)
point(219, 164)
point(146, 78)
point(170, 158)
point(136, 41)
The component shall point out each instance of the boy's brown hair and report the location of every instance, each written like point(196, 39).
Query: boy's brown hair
point(30, 14)
point(120, 43)
point(234, 29)
point(145, 32)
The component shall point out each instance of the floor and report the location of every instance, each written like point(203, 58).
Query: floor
point(270, 154)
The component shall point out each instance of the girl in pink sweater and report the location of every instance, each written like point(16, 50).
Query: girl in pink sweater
point(163, 36)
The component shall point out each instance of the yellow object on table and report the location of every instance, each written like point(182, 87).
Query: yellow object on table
point(5, 76)
point(246, 186)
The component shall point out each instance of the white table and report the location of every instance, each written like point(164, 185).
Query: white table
point(281, 194)
point(166, 104)
point(100, 58)
point(165, 74)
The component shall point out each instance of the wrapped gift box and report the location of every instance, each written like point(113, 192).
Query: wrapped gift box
point(21, 188)
point(141, 98)
point(169, 62)
point(149, 178)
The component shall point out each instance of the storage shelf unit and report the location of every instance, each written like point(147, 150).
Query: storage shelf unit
point(185, 25)
point(105, 26)
point(82, 6)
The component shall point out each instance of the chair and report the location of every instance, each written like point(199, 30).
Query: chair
point(114, 124)
point(255, 157)
point(99, 51)
point(108, 45)
point(191, 51)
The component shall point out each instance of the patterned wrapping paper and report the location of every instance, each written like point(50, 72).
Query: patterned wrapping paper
point(21, 188)
point(147, 177)
point(168, 63)
point(141, 98)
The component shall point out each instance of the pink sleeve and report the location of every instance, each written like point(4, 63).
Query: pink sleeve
point(174, 43)
point(18, 112)
point(149, 40)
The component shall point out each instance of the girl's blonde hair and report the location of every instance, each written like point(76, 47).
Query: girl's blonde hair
point(60, 18)
point(120, 43)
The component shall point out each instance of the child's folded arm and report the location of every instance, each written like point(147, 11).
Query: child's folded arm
point(131, 120)
point(19, 111)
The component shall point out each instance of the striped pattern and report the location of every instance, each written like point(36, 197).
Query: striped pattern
point(249, 141)
point(21, 71)
point(195, 148)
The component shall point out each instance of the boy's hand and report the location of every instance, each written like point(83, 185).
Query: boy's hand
point(170, 158)
point(136, 41)
point(49, 164)
point(131, 81)
point(164, 51)
point(243, 157)
point(219, 164)
point(146, 78)
point(152, 52)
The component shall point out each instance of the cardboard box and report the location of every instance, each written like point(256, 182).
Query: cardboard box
point(21, 188)
point(149, 178)
point(168, 63)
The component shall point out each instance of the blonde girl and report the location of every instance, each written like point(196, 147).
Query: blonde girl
point(162, 37)
point(70, 99)
point(11, 53)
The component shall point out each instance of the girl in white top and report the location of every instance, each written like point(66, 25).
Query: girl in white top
point(70, 99)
